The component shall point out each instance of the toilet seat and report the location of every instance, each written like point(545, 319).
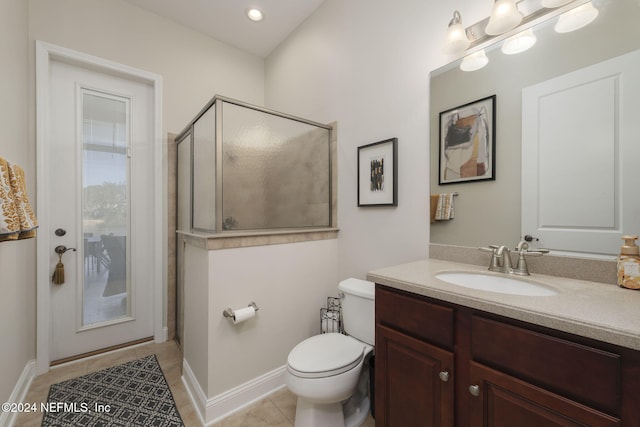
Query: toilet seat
point(325, 355)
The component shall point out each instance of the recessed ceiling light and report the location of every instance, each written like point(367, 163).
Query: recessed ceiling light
point(255, 15)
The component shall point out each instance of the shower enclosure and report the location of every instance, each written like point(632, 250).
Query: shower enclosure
point(243, 167)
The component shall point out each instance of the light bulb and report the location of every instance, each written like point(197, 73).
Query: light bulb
point(255, 15)
point(519, 43)
point(457, 40)
point(475, 61)
point(504, 17)
point(576, 18)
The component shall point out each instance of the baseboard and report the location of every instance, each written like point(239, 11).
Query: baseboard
point(164, 335)
point(196, 394)
point(224, 404)
point(19, 393)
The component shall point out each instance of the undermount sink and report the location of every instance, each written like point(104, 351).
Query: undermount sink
point(494, 283)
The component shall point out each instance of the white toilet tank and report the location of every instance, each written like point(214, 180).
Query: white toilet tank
point(358, 309)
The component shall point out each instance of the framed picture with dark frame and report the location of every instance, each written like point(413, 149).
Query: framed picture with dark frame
point(468, 142)
point(378, 173)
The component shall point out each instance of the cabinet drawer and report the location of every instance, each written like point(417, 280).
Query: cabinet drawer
point(415, 316)
point(585, 374)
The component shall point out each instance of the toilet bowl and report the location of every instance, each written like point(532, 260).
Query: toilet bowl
point(326, 372)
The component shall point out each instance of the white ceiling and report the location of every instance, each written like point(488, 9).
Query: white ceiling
point(226, 20)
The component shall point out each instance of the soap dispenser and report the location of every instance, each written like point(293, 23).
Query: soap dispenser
point(629, 263)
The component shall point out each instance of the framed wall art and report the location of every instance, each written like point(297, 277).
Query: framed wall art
point(468, 142)
point(378, 173)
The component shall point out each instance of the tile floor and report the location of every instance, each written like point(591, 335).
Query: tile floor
point(276, 410)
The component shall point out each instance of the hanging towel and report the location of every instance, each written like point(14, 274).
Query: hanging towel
point(17, 220)
point(433, 205)
point(444, 207)
point(9, 224)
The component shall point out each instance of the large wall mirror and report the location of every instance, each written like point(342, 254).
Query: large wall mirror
point(491, 211)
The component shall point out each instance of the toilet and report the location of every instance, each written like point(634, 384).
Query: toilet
point(326, 371)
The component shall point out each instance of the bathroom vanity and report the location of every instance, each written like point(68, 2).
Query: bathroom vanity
point(448, 355)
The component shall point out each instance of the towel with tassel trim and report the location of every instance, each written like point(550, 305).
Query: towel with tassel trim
point(17, 219)
point(433, 207)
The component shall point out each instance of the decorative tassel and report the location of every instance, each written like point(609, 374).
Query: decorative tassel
point(58, 274)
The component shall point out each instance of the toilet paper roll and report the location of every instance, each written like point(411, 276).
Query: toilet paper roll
point(242, 314)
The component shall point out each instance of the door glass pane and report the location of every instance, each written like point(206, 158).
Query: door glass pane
point(105, 207)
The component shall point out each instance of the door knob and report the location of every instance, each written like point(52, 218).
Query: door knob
point(474, 390)
point(58, 274)
point(444, 376)
point(61, 249)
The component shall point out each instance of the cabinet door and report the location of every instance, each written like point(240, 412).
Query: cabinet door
point(504, 401)
point(414, 382)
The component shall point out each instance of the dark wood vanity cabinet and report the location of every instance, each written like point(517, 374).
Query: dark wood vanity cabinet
point(414, 364)
point(438, 364)
point(414, 395)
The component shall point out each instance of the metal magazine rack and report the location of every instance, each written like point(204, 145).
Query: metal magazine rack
point(331, 316)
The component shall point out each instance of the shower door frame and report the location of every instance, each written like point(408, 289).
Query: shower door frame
point(187, 132)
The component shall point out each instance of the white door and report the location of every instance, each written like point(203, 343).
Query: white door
point(580, 143)
point(101, 203)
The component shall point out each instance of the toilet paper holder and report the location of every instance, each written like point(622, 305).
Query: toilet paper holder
point(229, 311)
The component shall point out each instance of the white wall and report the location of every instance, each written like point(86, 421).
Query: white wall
point(365, 64)
point(194, 67)
point(289, 283)
point(227, 364)
point(17, 259)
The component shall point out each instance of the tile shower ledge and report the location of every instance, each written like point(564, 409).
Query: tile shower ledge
point(229, 240)
point(595, 310)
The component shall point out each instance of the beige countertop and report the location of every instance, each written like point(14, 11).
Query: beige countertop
point(600, 311)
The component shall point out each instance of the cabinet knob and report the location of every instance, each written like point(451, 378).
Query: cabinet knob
point(444, 376)
point(474, 390)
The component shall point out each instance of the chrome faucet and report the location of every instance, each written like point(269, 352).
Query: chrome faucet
point(501, 258)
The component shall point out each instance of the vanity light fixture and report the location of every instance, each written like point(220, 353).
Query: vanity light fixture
point(504, 17)
point(576, 18)
point(457, 39)
point(519, 43)
point(475, 61)
point(255, 15)
point(513, 24)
